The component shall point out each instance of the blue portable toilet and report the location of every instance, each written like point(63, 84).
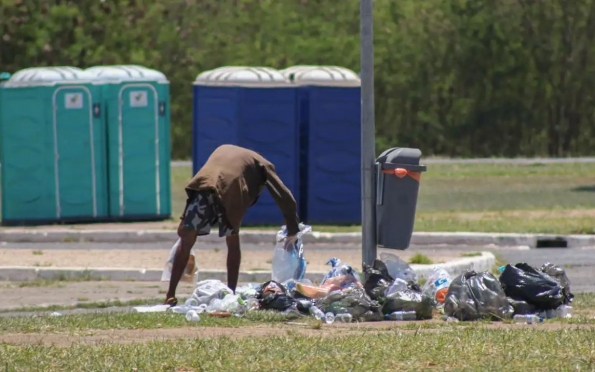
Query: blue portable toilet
point(136, 103)
point(53, 147)
point(330, 115)
point(252, 107)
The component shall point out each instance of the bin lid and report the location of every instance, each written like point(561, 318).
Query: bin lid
point(242, 76)
point(119, 73)
point(322, 75)
point(401, 157)
point(39, 76)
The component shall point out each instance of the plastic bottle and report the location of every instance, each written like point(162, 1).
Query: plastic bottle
point(401, 315)
point(329, 318)
point(192, 316)
point(317, 313)
point(191, 302)
point(344, 318)
point(525, 319)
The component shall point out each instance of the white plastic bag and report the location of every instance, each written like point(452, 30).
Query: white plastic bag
point(398, 268)
point(437, 285)
point(289, 264)
point(189, 275)
point(399, 285)
point(208, 290)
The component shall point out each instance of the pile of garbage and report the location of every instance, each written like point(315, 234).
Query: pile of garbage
point(389, 291)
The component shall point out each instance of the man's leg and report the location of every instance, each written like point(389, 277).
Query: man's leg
point(234, 257)
point(187, 240)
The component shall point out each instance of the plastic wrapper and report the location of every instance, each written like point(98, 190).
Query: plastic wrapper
point(397, 286)
point(190, 274)
point(289, 264)
point(397, 268)
point(524, 282)
point(339, 269)
point(409, 300)
point(437, 285)
point(274, 296)
point(377, 280)
point(474, 296)
point(248, 290)
point(354, 301)
point(331, 284)
point(208, 290)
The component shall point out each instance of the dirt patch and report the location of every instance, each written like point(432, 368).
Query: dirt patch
point(336, 330)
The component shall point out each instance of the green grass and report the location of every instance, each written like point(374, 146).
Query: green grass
point(471, 254)
point(130, 320)
point(419, 258)
point(59, 280)
point(473, 348)
point(85, 305)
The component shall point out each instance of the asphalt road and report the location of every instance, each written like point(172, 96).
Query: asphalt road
point(579, 263)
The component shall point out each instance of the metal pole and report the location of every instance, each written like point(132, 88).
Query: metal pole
point(368, 133)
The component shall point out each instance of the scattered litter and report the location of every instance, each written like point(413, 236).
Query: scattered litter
point(149, 309)
point(474, 296)
point(55, 313)
point(437, 285)
point(390, 291)
point(192, 316)
point(401, 315)
point(289, 263)
point(527, 319)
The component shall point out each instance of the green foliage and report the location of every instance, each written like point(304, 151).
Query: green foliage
point(458, 77)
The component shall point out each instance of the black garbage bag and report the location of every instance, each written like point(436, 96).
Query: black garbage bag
point(351, 300)
point(376, 280)
point(273, 295)
point(524, 282)
point(409, 300)
point(521, 307)
point(474, 296)
point(559, 274)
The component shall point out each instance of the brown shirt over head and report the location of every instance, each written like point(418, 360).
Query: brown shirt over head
point(237, 176)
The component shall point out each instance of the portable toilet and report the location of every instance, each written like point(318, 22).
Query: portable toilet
point(136, 103)
point(252, 107)
point(330, 116)
point(53, 147)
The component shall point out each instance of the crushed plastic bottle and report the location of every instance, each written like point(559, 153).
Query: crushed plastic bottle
point(344, 318)
point(339, 269)
point(191, 302)
point(563, 311)
point(317, 313)
point(192, 316)
point(329, 318)
point(526, 319)
point(401, 315)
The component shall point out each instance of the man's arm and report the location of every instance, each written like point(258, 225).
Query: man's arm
point(284, 199)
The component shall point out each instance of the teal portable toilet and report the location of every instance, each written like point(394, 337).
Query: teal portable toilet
point(53, 147)
point(136, 101)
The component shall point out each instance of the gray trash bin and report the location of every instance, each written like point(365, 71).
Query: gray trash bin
point(398, 174)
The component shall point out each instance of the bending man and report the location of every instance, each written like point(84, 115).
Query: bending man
point(219, 194)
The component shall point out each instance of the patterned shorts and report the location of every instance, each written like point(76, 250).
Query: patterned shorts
point(202, 213)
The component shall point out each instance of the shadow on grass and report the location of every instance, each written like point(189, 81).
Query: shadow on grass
point(583, 189)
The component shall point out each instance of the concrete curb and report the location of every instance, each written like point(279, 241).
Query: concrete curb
point(484, 262)
point(268, 237)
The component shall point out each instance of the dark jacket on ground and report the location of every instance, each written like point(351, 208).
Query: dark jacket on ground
point(237, 176)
